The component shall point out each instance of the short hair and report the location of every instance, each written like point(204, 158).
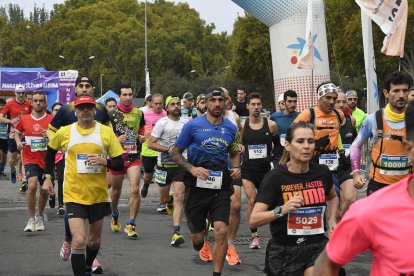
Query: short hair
point(55, 104)
point(252, 96)
point(2, 101)
point(107, 100)
point(157, 95)
point(397, 77)
point(409, 122)
point(123, 86)
point(242, 88)
point(39, 92)
point(289, 93)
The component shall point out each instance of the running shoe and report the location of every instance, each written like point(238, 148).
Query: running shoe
point(205, 253)
point(3, 174)
point(13, 175)
point(97, 268)
point(130, 230)
point(88, 271)
point(161, 208)
point(232, 257)
point(19, 177)
point(115, 224)
point(52, 201)
point(210, 227)
point(255, 243)
point(144, 190)
point(39, 226)
point(24, 187)
point(169, 207)
point(177, 239)
point(60, 210)
point(30, 227)
point(65, 251)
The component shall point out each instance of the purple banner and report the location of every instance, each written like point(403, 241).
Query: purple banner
point(67, 86)
point(47, 80)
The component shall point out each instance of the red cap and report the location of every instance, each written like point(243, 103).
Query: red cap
point(84, 100)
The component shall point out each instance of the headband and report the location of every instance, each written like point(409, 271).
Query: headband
point(327, 88)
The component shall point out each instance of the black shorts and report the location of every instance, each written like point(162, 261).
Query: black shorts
point(92, 213)
point(291, 260)
point(12, 146)
point(149, 163)
point(4, 145)
point(344, 173)
point(374, 186)
point(236, 182)
point(33, 170)
point(254, 177)
point(199, 202)
point(174, 174)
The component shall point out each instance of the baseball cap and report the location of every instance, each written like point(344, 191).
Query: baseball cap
point(280, 98)
point(169, 99)
point(84, 78)
point(19, 88)
point(351, 93)
point(148, 97)
point(215, 91)
point(84, 99)
point(188, 96)
point(200, 97)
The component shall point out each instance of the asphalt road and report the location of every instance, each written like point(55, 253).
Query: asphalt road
point(37, 253)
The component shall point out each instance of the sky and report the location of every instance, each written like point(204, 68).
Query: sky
point(222, 13)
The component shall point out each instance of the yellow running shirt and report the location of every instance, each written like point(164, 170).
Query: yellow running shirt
point(85, 184)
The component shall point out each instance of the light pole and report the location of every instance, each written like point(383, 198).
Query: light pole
point(101, 79)
point(80, 64)
point(222, 69)
point(189, 73)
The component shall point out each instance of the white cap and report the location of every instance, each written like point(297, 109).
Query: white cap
point(280, 98)
point(20, 88)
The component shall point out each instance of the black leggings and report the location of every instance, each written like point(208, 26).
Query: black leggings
point(60, 169)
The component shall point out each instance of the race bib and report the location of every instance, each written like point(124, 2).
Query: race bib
point(257, 151)
point(394, 161)
point(214, 181)
point(160, 176)
point(3, 129)
point(283, 139)
point(347, 148)
point(38, 144)
point(129, 146)
point(83, 165)
point(306, 221)
point(331, 160)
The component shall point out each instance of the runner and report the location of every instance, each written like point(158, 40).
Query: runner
point(85, 191)
point(147, 103)
point(3, 141)
point(281, 102)
point(411, 94)
point(33, 127)
point(380, 223)
point(358, 114)
point(126, 121)
point(200, 105)
point(168, 173)
point(293, 198)
point(386, 129)
point(110, 104)
point(187, 106)
point(240, 102)
point(348, 193)
point(284, 120)
point(259, 138)
point(148, 156)
point(10, 114)
point(209, 139)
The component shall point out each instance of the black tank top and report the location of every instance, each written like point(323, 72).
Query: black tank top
point(347, 131)
point(256, 139)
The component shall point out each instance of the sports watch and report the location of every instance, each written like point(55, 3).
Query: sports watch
point(278, 212)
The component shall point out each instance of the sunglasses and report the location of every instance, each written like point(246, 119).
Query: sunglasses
point(86, 85)
point(83, 107)
point(20, 93)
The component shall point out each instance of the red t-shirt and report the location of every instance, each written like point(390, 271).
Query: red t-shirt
point(382, 223)
point(34, 151)
point(14, 109)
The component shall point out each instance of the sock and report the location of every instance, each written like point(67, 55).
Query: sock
point(90, 255)
point(216, 273)
point(229, 242)
point(115, 213)
point(68, 234)
point(177, 229)
point(78, 262)
point(131, 221)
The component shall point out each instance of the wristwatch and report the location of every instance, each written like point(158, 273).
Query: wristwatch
point(278, 212)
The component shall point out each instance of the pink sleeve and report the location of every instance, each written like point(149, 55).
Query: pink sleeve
point(348, 239)
point(355, 156)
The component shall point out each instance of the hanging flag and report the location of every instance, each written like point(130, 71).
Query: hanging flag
point(147, 82)
point(391, 16)
point(305, 60)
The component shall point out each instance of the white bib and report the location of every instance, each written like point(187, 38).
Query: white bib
point(331, 160)
point(83, 165)
point(306, 221)
point(160, 176)
point(283, 139)
point(347, 148)
point(214, 181)
point(129, 146)
point(257, 151)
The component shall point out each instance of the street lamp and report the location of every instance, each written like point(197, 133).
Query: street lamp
point(222, 69)
point(101, 79)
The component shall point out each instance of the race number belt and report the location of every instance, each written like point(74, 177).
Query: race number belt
point(160, 176)
point(394, 163)
point(129, 146)
point(347, 148)
point(83, 165)
point(306, 221)
point(331, 160)
point(214, 181)
point(283, 139)
point(39, 144)
point(257, 151)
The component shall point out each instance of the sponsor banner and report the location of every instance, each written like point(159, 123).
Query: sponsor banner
point(67, 81)
point(47, 80)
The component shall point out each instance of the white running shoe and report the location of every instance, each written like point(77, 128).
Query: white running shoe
point(39, 226)
point(30, 227)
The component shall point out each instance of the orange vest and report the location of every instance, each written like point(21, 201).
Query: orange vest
point(389, 163)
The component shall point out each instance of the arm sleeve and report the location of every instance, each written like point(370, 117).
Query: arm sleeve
point(185, 137)
point(50, 160)
point(234, 147)
point(57, 120)
point(364, 134)
point(348, 239)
